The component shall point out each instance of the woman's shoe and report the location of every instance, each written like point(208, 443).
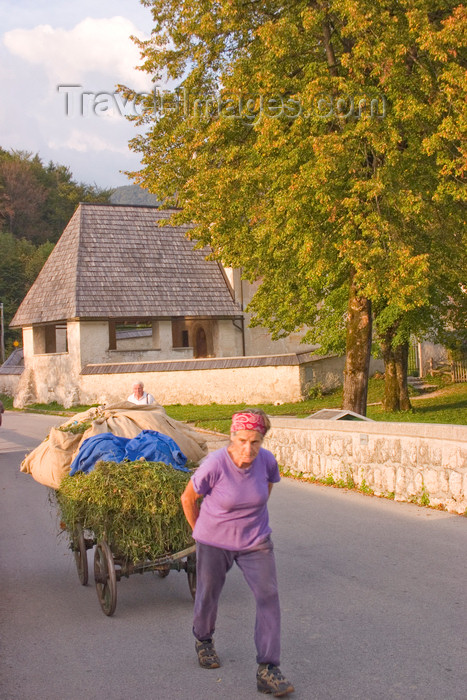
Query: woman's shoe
point(269, 679)
point(207, 656)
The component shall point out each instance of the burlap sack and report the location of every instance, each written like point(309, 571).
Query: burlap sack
point(52, 459)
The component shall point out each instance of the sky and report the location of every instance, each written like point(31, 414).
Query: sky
point(48, 46)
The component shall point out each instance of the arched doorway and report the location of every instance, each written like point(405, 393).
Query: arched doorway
point(201, 343)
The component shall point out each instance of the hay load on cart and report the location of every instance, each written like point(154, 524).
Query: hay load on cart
point(118, 474)
point(132, 512)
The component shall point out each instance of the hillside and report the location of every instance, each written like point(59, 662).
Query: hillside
point(133, 194)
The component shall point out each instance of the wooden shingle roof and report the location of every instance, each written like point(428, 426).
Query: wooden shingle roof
point(288, 359)
point(116, 261)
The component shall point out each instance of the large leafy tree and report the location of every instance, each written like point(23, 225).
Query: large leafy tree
point(318, 146)
point(20, 263)
point(36, 203)
point(37, 200)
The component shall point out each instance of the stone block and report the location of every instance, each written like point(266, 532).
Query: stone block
point(418, 482)
point(382, 450)
point(401, 481)
point(431, 480)
point(423, 454)
point(336, 468)
point(435, 455)
point(455, 485)
point(377, 478)
point(410, 482)
point(449, 456)
point(337, 446)
point(409, 453)
point(395, 450)
point(389, 479)
point(443, 481)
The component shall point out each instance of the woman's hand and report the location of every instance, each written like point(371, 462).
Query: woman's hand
point(190, 504)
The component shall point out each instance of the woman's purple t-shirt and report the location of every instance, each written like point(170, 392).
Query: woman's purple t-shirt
point(234, 513)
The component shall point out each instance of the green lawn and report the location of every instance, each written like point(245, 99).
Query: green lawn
point(450, 407)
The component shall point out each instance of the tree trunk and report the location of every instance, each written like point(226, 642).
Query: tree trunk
point(358, 352)
point(396, 391)
point(391, 399)
point(401, 357)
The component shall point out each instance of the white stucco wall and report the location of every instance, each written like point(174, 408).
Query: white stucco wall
point(28, 342)
point(236, 385)
point(48, 377)
point(227, 339)
point(93, 341)
point(9, 384)
point(258, 340)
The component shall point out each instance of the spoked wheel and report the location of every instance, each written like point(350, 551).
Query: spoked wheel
point(81, 556)
point(191, 573)
point(105, 578)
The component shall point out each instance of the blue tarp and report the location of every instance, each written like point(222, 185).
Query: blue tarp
point(149, 445)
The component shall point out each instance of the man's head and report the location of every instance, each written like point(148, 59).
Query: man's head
point(138, 389)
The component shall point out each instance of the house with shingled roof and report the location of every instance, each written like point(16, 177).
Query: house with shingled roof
point(125, 292)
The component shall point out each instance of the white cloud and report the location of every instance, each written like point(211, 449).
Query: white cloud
point(85, 141)
point(97, 47)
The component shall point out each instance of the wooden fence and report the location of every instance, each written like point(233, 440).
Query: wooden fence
point(459, 370)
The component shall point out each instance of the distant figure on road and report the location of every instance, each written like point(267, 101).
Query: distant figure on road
point(139, 396)
point(232, 526)
point(2, 410)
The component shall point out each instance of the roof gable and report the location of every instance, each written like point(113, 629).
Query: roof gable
point(52, 296)
point(125, 262)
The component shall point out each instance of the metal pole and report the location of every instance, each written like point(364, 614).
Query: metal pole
point(2, 335)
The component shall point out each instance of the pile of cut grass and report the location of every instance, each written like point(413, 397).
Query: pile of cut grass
point(76, 428)
point(135, 506)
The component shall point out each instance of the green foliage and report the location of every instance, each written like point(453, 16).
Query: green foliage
point(37, 200)
point(135, 506)
point(36, 203)
point(304, 200)
point(7, 402)
point(20, 263)
point(315, 391)
point(424, 498)
point(364, 488)
point(450, 408)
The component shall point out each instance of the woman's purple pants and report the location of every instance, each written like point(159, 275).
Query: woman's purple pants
point(259, 569)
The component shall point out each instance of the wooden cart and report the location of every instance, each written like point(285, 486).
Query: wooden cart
point(109, 567)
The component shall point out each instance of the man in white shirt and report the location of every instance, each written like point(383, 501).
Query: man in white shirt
point(139, 396)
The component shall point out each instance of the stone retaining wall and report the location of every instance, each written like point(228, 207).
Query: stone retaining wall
point(416, 462)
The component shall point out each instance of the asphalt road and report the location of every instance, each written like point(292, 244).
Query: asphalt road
point(373, 599)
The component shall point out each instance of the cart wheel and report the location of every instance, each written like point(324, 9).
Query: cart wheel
point(81, 555)
point(163, 573)
point(105, 578)
point(191, 573)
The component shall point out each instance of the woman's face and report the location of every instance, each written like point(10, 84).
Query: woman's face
point(244, 447)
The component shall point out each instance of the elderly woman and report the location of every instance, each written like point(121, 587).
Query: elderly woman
point(232, 525)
